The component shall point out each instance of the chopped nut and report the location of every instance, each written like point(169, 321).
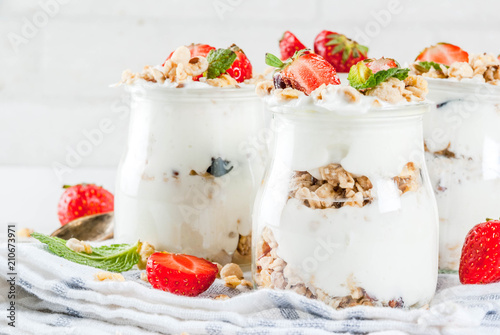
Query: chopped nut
point(390, 90)
point(144, 250)
point(246, 283)
point(196, 66)
point(232, 281)
point(221, 297)
point(264, 88)
point(181, 55)
point(79, 246)
point(144, 276)
point(223, 81)
point(231, 269)
point(104, 275)
point(128, 77)
point(408, 179)
point(287, 93)
point(244, 245)
point(24, 232)
point(180, 73)
point(351, 95)
point(460, 70)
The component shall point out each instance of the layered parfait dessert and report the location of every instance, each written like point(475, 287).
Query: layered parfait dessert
point(346, 213)
point(462, 141)
point(194, 158)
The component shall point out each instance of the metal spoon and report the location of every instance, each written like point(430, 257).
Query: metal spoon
point(98, 227)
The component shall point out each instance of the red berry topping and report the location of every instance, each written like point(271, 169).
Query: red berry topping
point(180, 274)
point(241, 68)
point(443, 53)
point(289, 44)
point(480, 260)
point(339, 50)
point(82, 200)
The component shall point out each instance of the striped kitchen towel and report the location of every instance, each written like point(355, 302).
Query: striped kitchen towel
point(55, 296)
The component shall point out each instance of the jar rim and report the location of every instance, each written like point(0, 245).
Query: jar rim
point(156, 91)
point(479, 89)
point(384, 112)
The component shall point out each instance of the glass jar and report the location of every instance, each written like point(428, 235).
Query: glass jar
point(346, 213)
point(462, 141)
point(191, 169)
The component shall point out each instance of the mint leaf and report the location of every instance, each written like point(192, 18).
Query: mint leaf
point(426, 66)
point(377, 78)
point(115, 257)
point(219, 61)
point(273, 61)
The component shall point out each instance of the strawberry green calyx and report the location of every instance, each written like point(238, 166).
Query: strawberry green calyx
point(347, 46)
point(361, 77)
point(274, 61)
point(426, 66)
point(219, 61)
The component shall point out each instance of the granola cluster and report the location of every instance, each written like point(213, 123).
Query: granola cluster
point(413, 88)
point(335, 189)
point(484, 67)
point(179, 68)
point(233, 276)
point(273, 272)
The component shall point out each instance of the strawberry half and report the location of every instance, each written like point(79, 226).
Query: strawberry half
point(380, 64)
point(480, 260)
point(198, 49)
point(241, 68)
point(180, 274)
point(304, 72)
point(443, 53)
point(339, 50)
point(289, 44)
point(82, 200)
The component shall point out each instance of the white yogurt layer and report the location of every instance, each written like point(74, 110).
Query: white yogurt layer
point(467, 186)
point(164, 195)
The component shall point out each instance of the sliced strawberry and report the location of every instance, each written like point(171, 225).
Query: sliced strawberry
point(480, 260)
point(289, 44)
point(339, 50)
point(180, 274)
point(443, 53)
point(82, 200)
point(305, 72)
point(197, 49)
point(241, 68)
point(380, 64)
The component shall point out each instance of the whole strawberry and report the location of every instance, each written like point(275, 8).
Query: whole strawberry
point(289, 44)
point(443, 53)
point(339, 50)
point(480, 260)
point(180, 274)
point(241, 68)
point(304, 72)
point(82, 200)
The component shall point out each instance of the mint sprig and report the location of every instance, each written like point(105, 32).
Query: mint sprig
point(426, 66)
point(115, 257)
point(361, 78)
point(219, 61)
point(274, 61)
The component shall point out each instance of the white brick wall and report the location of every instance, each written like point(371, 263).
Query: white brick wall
point(56, 85)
